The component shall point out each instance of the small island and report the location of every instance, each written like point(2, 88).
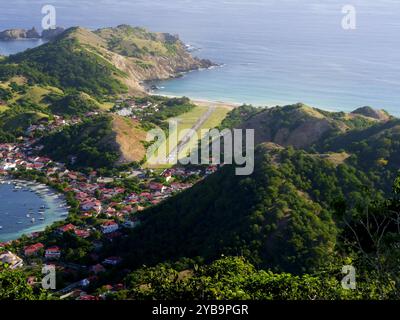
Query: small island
point(21, 34)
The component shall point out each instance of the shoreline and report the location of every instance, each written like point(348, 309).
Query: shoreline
point(56, 207)
point(232, 105)
point(203, 102)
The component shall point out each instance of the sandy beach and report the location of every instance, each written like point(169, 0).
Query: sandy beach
point(205, 102)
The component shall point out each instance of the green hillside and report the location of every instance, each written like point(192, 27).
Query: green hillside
point(138, 42)
point(280, 217)
point(300, 125)
point(375, 150)
point(88, 144)
point(67, 64)
point(76, 104)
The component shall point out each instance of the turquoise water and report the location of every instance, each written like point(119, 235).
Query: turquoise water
point(274, 52)
point(10, 47)
point(19, 207)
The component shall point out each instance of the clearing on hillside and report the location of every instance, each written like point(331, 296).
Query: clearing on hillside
point(204, 117)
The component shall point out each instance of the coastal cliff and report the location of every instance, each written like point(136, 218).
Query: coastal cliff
point(17, 34)
point(127, 56)
point(145, 56)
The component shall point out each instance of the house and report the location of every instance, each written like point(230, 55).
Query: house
point(33, 249)
point(53, 253)
point(133, 197)
point(8, 166)
point(98, 268)
point(211, 169)
point(113, 261)
point(72, 176)
point(167, 174)
point(91, 205)
point(109, 227)
point(11, 259)
point(34, 235)
point(84, 282)
point(82, 233)
point(157, 187)
point(66, 228)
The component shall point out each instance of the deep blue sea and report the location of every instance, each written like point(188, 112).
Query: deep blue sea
point(274, 52)
point(21, 213)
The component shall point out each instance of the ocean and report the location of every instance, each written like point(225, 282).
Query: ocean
point(21, 210)
point(272, 52)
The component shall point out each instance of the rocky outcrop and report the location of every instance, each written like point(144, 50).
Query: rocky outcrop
point(52, 33)
point(17, 34)
point(32, 34)
point(12, 34)
point(143, 55)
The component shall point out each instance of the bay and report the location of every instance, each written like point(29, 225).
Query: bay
point(27, 209)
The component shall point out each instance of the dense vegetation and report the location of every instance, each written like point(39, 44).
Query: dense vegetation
point(5, 94)
point(280, 217)
point(375, 151)
point(238, 115)
point(75, 104)
point(13, 286)
point(64, 64)
point(234, 278)
point(168, 108)
point(139, 43)
point(88, 144)
point(18, 117)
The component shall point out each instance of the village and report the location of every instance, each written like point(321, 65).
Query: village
point(101, 208)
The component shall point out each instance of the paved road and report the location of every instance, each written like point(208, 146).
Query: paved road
point(189, 135)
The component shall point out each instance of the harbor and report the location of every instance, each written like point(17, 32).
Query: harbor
point(27, 207)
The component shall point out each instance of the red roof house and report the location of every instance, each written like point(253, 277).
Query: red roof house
point(33, 249)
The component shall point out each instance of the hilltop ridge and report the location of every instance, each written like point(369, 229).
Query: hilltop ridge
point(301, 126)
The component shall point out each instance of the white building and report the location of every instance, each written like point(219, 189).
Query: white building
point(109, 227)
point(11, 259)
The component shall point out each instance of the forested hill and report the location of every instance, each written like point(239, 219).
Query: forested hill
point(367, 139)
point(281, 217)
point(374, 150)
point(103, 62)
